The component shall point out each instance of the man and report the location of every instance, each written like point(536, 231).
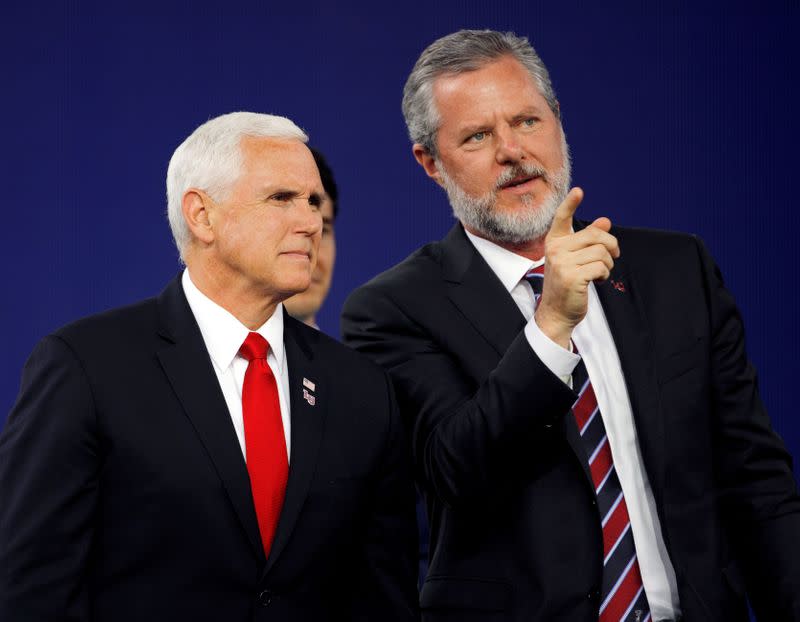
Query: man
point(662, 504)
point(201, 455)
point(305, 305)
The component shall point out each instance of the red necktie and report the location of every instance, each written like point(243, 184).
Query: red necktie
point(265, 444)
point(622, 597)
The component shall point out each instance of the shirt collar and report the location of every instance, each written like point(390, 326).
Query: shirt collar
point(223, 334)
point(509, 267)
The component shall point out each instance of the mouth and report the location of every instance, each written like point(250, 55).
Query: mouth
point(301, 255)
point(520, 184)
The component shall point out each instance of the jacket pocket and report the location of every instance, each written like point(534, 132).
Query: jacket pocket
point(439, 592)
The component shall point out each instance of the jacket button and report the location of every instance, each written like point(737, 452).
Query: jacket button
point(265, 598)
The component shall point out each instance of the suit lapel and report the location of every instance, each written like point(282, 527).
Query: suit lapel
point(308, 399)
point(478, 294)
point(188, 367)
point(624, 310)
point(481, 298)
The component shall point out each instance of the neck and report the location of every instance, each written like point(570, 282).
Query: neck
point(252, 308)
point(530, 249)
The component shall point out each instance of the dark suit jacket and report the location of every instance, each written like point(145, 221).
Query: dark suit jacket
point(515, 532)
point(124, 494)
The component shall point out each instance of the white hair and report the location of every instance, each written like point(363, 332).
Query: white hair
point(211, 159)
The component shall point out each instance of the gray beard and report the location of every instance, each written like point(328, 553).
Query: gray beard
point(478, 213)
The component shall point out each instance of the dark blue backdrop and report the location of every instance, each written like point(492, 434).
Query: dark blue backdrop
point(678, 118)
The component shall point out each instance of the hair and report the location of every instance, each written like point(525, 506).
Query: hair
point(211, 159)
point(328, 182)
point(461, 52)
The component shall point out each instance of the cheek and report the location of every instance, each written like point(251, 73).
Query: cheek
point(476, 173)
point(553, 150)
point(240, 234)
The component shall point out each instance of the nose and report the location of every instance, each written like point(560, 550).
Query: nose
point(508, 148)
point(309, 217)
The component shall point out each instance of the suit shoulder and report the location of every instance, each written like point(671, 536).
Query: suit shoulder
point(659, 245)
point(112, 327)
point(421, 269)
point(655, 239)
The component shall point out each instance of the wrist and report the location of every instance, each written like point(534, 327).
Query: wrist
point(556, 329)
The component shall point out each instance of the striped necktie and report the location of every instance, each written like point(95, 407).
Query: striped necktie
point(622, 597)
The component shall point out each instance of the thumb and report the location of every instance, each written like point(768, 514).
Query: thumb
point(562, 221)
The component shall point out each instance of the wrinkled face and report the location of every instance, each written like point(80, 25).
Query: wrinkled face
point(267, 231)
point(304, 306)
point(502, 156)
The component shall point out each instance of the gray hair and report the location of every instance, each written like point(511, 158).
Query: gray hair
point(211, 159)
point(460, 52)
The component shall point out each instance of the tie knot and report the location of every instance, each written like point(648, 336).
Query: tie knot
point(535, 276)
point(254, 347)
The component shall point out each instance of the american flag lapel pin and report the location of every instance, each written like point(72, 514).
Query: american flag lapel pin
point(308, 387)
point(618, 285)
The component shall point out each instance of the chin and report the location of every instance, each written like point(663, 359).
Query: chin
point(523, 203)
point(294, 287)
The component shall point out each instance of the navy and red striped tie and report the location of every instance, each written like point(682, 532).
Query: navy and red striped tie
point(622, 597)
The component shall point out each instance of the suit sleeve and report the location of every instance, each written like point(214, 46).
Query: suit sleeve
point(467, 440)
point(48, 490)
point(386, 588)
point(758, 494)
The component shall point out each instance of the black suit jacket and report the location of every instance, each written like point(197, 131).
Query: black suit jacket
point(515, 532)
point(124, 494)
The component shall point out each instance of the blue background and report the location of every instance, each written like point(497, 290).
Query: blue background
point(680, 118)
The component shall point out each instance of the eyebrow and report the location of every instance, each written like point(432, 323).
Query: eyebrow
point(473, 128)
point(526, 114)
point(315, 197)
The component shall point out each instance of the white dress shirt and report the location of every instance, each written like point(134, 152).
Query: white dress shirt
point(223, 335)
point(592, 336)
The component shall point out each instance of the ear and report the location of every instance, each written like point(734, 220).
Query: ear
point(427, 162)
point(196, 206)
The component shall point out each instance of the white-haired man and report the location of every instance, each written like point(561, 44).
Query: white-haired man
point(587, 426)
point(201, 455)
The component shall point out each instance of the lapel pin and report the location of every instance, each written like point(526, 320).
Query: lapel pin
point(309, 385)
point(309, 398)
point(618, 285)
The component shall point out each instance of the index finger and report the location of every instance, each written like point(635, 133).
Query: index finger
point(562, 221)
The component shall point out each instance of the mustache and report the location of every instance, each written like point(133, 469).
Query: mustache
point(521, 170)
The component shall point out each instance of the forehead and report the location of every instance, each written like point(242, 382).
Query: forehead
point(499, 86)
point(280, 161)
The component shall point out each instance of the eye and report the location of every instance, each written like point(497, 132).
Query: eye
point(530, 122)
point(282, 197)
point(478, 137)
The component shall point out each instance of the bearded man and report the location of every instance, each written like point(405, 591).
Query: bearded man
point(591, 445)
